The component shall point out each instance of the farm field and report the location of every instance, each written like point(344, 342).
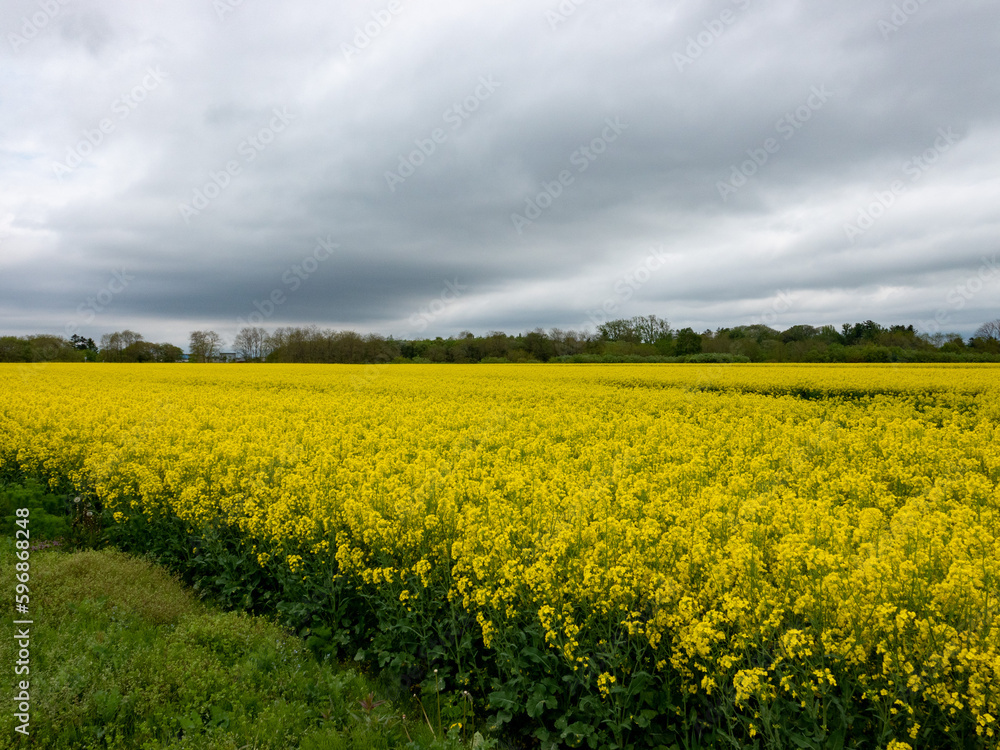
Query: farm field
point(602, 555)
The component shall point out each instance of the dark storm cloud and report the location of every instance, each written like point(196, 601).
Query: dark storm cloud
point(496, 166)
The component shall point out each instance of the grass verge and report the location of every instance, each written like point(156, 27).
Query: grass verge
point(122, 656)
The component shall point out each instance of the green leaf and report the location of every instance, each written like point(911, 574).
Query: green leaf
point(805, 742)
point(535, 708)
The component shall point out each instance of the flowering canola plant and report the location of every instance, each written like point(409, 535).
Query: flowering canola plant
point(757, 533)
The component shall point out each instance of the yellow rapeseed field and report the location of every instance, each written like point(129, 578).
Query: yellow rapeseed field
point(764, 532)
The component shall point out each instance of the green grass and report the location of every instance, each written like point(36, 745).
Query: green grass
point(51, 515)
point(122, 656)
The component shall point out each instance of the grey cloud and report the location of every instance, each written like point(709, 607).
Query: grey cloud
point(355, 115)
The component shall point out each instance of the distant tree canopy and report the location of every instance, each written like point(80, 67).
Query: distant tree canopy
point(40, 348)
point(987, 337)
point(313, 345)
point(84, 345)
point(145, 351)
point(867, 341)
point(646, 338)
point(113, 345)
point(129, 346)
point(637, 330)
point(638, 339)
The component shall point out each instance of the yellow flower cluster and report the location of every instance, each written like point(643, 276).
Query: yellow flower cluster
point(842, 520)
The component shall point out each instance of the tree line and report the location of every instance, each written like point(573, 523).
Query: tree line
point(121, 346)
point(638, 339)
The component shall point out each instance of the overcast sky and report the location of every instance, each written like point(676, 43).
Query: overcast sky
point(417, 167)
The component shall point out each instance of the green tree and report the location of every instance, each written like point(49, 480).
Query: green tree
point(651, 328)
point(168, 353)
point(619, 330)
point(38, 348)
point(79, 342)
point(539, 346)
point(146, 351)
point(14, 349)
point(799, 333)
point(114, 344)
point(48, 348)
point(688, 342)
